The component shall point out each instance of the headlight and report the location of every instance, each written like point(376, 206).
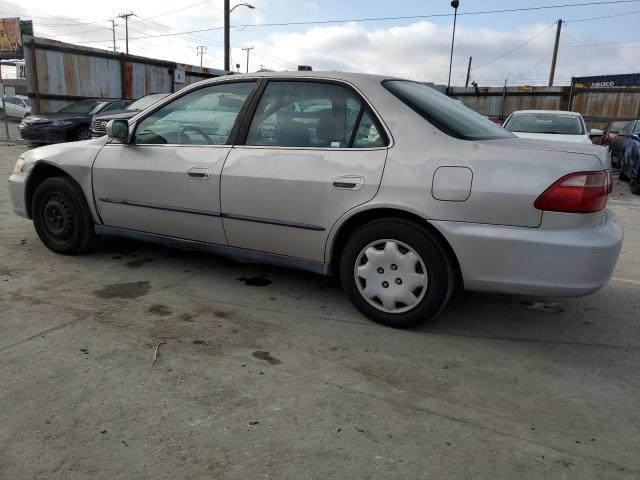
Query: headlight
point(18, 166)
point(62, 123)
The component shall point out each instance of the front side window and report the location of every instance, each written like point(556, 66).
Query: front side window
point(202, 117)
point(310, 114)
point(549, 123)
point(448, 115)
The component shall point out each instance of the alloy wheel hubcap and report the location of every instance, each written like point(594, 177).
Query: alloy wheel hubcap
point(391, 276)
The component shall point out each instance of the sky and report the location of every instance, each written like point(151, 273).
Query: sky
point(416, 48)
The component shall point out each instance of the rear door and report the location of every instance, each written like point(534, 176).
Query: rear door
point(166, 180)
point(313, 151)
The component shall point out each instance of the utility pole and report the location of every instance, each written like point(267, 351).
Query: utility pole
point(466, 84)
point(454, 4)
point(201, 49)
point(248, 49)
point(555, 53)
point(113, 29)
point(227, 40)
point(126, 27)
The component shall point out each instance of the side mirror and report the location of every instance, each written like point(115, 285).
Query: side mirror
point(118, 130)
point(595, 132)
point(635, 136)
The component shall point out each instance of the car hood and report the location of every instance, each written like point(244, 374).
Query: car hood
point(116, 114)
point(554, 137)
point(598, 151)
point(50, 117)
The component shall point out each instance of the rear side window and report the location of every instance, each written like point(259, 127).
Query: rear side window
point(312, 114)
point(444, 113)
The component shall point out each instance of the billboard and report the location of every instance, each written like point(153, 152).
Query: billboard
point(10, 38)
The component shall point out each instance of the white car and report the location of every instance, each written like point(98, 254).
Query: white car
point(17, 107)
point(550, 125)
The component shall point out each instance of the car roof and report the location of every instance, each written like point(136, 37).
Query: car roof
point(344, 76)
point(553, 112)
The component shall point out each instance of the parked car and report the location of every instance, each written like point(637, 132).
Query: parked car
point(100, 120)
point(69, 124)
point(550, 125)
point(17, 107)
point(460, 198)
point(610, 132)
point(630, 164)
point(618, 143)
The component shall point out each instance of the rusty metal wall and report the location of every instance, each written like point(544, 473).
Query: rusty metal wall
point(600, 106)
point(60, 73)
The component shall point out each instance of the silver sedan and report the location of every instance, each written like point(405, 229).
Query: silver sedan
point(386, 183)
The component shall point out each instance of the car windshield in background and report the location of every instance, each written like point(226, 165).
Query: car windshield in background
point(147, 101)
point(616, 127)
point(27, 101)
point(84, 107)
point(449, 115)
point(552, 123)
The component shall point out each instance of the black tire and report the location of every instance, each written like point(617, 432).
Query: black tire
point(439, 271)
point(622, 177)
point(62, 218)
point(634, 186)
point(83, 133)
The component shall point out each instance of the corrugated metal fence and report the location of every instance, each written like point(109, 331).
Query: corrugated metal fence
point(59, 73)
point(598, 106)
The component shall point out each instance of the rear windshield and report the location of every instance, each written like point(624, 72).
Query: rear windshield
point(553, 123)
point(448, 115)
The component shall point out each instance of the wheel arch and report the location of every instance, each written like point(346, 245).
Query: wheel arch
point(355, 221)
point(41, 172)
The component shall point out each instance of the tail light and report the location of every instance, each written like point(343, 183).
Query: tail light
point(580, 192)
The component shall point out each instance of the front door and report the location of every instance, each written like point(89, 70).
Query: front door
point(167, 179)
point(313, 151)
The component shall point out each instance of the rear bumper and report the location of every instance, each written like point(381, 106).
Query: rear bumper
point(17, 189)
point(535, 261)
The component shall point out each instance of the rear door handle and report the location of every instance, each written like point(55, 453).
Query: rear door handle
point(348, 182)
point(199, 173)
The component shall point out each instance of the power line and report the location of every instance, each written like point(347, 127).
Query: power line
point(600, 44)
point(604, 17)
point(514, 49)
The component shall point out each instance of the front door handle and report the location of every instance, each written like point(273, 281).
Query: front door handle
point(199, 173)
point(348, 182)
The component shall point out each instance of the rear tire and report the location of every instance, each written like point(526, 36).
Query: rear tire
point(62, 218)
point(396, 273)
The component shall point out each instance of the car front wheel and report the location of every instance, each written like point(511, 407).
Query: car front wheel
point(83, 134)
point(396, 273)
point(62, 218)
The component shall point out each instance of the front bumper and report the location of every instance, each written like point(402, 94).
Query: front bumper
point(535, 261)
point(17, 189)
point(44, 134)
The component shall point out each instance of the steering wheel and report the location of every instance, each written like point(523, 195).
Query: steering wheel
point(193, 128)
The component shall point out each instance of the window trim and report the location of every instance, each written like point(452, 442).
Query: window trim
point(135, 121)
point(241, 140)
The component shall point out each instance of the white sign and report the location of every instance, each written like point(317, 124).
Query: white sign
point(21, 70)
point(178, 76)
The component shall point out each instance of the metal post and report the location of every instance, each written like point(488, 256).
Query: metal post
point(555, 54)
point(466, 84)
point(113, 29)
point(4, 106)
point(227, 40)
point(455, 4)
point(248, 49)
point(504, 98)
point(126, 28)
point(201, 49)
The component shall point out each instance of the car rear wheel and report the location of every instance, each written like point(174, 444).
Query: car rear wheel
point(83, 134)
point(62, 218)
point(396, 273)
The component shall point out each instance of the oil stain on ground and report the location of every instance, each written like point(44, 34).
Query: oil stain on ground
point(160, 310)
point(138, 262)
point(259, 281)
point(124, 290)
point(266, 356)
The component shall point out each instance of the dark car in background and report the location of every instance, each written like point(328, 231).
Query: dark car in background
point(630, 163)
point(611, 131)
point(99, 121)
point(69, 124)
point(618, 143)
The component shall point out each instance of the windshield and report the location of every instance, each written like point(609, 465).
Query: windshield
point(147, 101)
point(552, 123)
point(448, 115)
point(26, 101)
point(616, 127)
point(84, 107)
